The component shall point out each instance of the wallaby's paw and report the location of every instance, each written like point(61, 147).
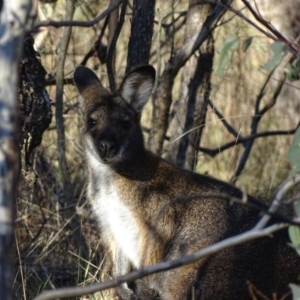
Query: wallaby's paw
point(143, 292)
point(126, 294)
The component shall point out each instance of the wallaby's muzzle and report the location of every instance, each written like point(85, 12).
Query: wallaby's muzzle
point(107, 150)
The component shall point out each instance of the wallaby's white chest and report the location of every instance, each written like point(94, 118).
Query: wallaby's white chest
point(114, 216)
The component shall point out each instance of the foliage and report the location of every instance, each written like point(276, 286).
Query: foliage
point(293, 155)
point(279, 50)
point(229, 46)
point(293, 70)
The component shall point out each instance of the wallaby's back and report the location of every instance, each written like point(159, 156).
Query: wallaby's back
point(138, 200)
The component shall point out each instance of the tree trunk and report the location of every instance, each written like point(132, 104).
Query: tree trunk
point(141, 33)
point(202, 87)
point(35, 109)
point(191, 109)
point(160, 119)
point(14, 18)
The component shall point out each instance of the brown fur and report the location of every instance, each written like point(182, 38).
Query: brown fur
point(133, 193)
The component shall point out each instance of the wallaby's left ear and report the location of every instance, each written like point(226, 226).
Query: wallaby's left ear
point(89, 86)
point(85, 78)
point(137, 87)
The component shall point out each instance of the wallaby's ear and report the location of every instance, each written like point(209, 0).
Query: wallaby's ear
point(88, 85)
point(137, 87)
point(85, 78)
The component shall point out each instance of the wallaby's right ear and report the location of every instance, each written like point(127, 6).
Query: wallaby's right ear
point(137, 87)
point(88, 83)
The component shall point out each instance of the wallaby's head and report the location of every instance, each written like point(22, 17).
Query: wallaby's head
point(112, 121)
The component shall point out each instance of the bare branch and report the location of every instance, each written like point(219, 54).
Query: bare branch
point(112, 47)
point(277, 199)
point(60, 127)
point(241, 139)
point(270, 27)
point(259, 113)
point(97, 45)
point(69, 23)
point(223, 120)
point(274, 35)
point(52, 81)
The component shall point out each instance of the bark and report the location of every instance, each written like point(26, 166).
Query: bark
point(35, 109)
point(14, 20)
point(194, 85)
point(141, 34)
point(112, 26)
point(198, 102)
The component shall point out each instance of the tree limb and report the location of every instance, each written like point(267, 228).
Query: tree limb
point(13, 25)
point(243, 139)
point(69, 23)
point(112, 48)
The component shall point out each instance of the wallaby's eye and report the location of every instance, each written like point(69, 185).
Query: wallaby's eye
point(91, 123)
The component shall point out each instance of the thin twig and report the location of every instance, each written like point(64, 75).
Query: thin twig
point(21, 268)
point(96, 44)
point(259, 113)
point(60, 127)
point(275, 35)
point(270, 27)
point(223, 120)
point(242, 16)
point(253, 291)
point(280, 192)
point(52, 81)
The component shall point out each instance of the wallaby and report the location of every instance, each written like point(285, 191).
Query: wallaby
point(133, 194)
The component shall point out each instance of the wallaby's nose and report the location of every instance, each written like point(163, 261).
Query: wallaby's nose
point(106, 149)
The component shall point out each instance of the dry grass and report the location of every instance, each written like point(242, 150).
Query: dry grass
point(57, 242)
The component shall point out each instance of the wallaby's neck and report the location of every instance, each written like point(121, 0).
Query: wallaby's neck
point(141, 168)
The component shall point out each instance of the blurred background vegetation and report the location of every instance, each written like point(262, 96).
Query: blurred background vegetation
point(57, 240)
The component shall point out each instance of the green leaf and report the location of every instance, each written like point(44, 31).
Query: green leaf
point(294, 233)
point(297, 207)
point(289, 72)
point(293, 70)
point(222, 64)
point(295, 291)
point(293, 155)
point(279, 50)
point(229, 45)
point(246, 43)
